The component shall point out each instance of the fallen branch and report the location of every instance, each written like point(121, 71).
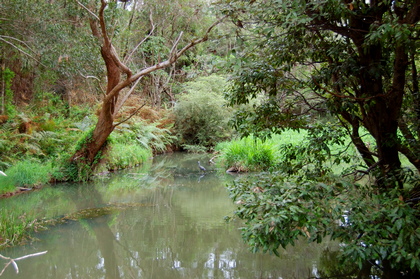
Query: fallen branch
point(13, 261)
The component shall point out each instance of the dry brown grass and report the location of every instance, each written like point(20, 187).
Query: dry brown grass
point(81, 97)
point(165, 118)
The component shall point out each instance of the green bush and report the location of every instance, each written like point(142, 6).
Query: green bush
point(279, 210)
point(201, 117)
point(7, 76)
point(194, 148)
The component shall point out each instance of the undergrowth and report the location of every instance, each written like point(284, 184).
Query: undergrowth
point(123, 156)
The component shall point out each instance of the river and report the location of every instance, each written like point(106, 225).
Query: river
point(162, 220)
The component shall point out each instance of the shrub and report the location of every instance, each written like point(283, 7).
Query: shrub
point(148, 136)
point(201, 117)
point(194, 148)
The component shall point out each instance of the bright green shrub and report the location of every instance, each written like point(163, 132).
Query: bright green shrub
point(7, 76)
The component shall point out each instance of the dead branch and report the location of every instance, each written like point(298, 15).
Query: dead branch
point(97, 79)
point(131, 115)
point(21, 50)
point(203, 39)
point(13, 261)
point(171, 59)
point(20, 41)
point(125, 97)
point(172, 53)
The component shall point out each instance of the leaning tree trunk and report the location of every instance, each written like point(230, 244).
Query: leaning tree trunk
point(89, 152)
point(93, 144)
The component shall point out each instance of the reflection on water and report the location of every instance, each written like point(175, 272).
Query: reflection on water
point(171, 227)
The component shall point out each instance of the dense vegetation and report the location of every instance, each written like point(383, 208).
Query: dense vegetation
point(339, 70)
point(322, 96)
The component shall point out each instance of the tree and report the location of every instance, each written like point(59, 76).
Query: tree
point(119, 76)
point(357, 62)
point(45, 57)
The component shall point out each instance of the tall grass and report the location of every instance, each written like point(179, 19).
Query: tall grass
point(278, 152)
point(23, 214)
point(248, 154)
point(24, 174)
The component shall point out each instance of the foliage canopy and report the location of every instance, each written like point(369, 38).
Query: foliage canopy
point(357, 63)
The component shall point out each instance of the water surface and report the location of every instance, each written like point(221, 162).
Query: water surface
point(163, 220)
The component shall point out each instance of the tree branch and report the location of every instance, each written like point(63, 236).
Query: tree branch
point(16, 47)
point(143, 40)
point(108, 47)
point(120, 64)
point(171, 59)
point(89, 11)
point(107, 42)
point(131, 115)
point(123, 99)
point(197, 41)
point(13, 261)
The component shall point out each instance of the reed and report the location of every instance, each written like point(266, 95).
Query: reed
point(14, 229)
point(248, 154)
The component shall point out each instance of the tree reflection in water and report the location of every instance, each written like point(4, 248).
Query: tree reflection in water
point(162, 222)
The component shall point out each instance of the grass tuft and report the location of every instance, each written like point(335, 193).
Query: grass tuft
point(248, 154)
point(24, 174)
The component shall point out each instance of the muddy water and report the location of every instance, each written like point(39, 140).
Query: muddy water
point(163, 220)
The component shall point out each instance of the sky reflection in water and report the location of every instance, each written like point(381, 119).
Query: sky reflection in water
point(163, 221)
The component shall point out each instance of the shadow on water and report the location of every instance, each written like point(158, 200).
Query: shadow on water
point(163, 220)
